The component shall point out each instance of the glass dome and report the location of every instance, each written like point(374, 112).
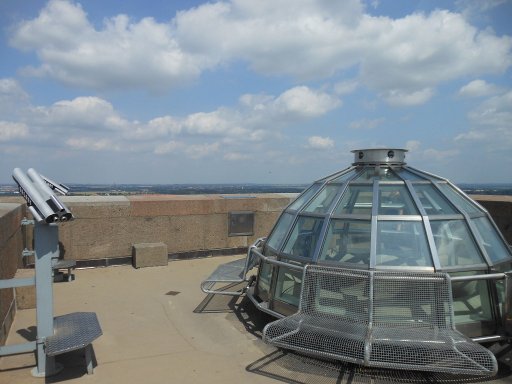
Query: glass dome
point(381, 214)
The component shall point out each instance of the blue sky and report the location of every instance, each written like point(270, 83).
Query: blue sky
point(260, 91)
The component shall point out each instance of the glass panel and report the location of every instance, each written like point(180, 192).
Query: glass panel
point(304, 237)
point(386, 174)
point(433, 201)
point(366, 176)
point(283, 225)
point(396, 200)
point(323, 200)
point(304, 198)
point(460, 201)
point(265, 275)
point(455, 245)
point(344, 177)
point(406, 175)
point(471, 301)
point(382, 174)
point(357, 199)
point(492, 242)
point(288, 285)
point(347, 241)
point(402, 243)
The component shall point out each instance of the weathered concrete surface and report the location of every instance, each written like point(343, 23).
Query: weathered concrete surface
point(107, 226)
point(25, 296)
point(150, 331)
point(11, 244)
point(158, 327)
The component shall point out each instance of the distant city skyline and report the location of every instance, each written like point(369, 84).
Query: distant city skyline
point(253, 91)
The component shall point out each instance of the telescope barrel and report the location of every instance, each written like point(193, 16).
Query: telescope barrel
point(61, 188)
point(45, 190)
point(34, 198)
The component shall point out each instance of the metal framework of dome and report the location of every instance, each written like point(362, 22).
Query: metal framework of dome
point(381, 215)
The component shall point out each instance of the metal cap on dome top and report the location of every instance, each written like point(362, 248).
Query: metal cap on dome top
point(379, 156)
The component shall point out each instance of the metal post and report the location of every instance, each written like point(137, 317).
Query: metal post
point(46, 239)
point(507, 305)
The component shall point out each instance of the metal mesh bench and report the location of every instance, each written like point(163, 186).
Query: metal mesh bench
point(398, 320)
point(228, 274)
point(74, 331)
point(58, 264)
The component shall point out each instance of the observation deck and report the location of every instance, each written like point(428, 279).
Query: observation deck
point(157, 325)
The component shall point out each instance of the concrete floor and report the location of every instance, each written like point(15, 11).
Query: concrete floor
point(158, 327)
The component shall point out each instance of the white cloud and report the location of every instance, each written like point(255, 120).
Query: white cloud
point(477, 8)
point(198, 151)
point(93, 124)
point(9, 88)
point(496, 111)
point(11, 131)
point(411, 55)
point(413, 145)
point(221, 121)
point(169, 147)
point(318, 142)
point(491, 124)
point(236, 156)
point(12, 97)
point(90, 144)
point(193, 151)
point(304, 102)
point(478, 88)
point(429, 155)
point(299, 103)
point(122, 54)
point(81, 112)
point(346, 87)
point(366, 123)
point(433, 154)
point(404, 98)
point(402, 59)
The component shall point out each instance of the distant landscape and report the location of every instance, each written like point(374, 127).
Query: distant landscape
point(196, 189)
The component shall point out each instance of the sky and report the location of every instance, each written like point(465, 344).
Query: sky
point(253, 91)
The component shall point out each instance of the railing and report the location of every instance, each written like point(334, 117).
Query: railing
point(506, 276)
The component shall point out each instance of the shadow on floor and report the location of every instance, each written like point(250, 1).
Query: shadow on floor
point(220, 303)
point(73, 362)
point(294, 368)
point(74, 366)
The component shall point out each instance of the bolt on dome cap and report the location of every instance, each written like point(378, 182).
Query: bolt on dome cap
point(379, 156)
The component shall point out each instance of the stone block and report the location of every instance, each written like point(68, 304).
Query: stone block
point(149, 255)
point(25, 296)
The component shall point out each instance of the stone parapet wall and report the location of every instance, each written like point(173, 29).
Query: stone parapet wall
point(11, 245)
point(108, 226)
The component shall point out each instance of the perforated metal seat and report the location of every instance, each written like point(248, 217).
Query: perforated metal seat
point(231, 273)
point(400, 320)
point(74, 331)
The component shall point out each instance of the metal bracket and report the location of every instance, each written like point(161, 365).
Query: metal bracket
point(26, 221)
point(27, 253)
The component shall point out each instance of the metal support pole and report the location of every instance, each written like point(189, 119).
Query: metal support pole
point(46, 239)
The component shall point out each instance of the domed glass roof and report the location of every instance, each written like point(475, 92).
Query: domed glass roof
point(380, 213)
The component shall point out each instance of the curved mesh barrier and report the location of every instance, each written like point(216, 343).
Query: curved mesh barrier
point(398, 320)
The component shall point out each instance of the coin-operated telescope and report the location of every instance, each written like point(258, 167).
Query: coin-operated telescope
point(38, 193)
